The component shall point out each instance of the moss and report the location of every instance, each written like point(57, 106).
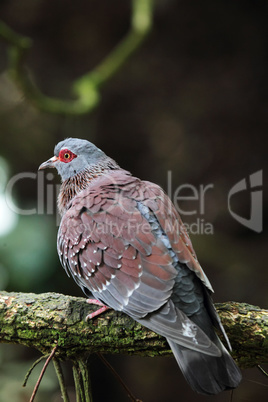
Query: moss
point(42, 320)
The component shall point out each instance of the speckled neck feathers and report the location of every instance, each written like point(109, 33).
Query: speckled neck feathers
point(72, 186)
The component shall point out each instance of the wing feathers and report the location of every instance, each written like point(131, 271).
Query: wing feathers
point(177, 327)
point(110, 240)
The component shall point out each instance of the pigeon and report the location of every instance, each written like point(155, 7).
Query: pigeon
point(124, 243)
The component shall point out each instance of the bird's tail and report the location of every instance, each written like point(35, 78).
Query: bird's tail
point(207, 374)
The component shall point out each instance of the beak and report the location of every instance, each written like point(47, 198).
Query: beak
point(50, 163)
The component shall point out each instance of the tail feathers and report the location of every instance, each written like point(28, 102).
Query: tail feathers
point(206, 374)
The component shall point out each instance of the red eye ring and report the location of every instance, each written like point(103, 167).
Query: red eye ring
point(66, 155)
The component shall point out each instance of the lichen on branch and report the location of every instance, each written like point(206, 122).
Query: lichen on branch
point(43, 320)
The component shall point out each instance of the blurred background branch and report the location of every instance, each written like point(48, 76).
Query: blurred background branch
point(85, 88)
point(43, 320)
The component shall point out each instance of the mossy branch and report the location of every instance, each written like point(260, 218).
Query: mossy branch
point(86, 89)
point(43, 320)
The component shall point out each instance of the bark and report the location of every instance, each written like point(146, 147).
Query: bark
point(44, 320)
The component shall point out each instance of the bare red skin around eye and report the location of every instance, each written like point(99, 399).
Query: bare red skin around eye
point(66, 156)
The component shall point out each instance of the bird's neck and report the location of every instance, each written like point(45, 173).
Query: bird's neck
point(73, 185)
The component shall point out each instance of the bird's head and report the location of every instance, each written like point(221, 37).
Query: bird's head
point(72, 156)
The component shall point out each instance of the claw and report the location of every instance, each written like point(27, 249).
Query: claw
point(97, 312)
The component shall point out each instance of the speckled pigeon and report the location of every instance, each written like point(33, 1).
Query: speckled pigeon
point(123, 242)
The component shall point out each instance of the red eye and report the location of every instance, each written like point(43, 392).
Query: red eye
point(66, 156)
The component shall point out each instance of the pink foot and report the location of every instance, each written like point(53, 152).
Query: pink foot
point(97, 312)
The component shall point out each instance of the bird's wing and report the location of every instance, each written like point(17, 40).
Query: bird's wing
point(116, 242)
point(168, 217)
point(106, 244)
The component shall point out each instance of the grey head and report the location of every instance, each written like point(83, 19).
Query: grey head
point(73, 155)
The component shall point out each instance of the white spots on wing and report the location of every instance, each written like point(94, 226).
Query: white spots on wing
point(130, 291)
point(104, 286)
point(189, 330)
point(75, 241)
point(94, 251)
point(139, 266)
point(85, 264)
point(119, 265)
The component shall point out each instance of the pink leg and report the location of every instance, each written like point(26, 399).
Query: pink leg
point(97, 312)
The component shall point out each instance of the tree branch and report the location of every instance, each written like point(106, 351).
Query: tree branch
point(85, 88)
point(41, 321)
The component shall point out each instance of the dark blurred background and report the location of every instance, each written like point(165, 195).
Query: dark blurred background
point(192, 101)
